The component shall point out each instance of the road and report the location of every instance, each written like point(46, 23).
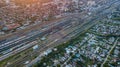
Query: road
point(114, 45)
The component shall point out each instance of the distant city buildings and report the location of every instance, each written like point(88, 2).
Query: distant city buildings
point(27, 14)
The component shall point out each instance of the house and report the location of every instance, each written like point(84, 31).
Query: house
point(35, 47)
point(11, 26)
